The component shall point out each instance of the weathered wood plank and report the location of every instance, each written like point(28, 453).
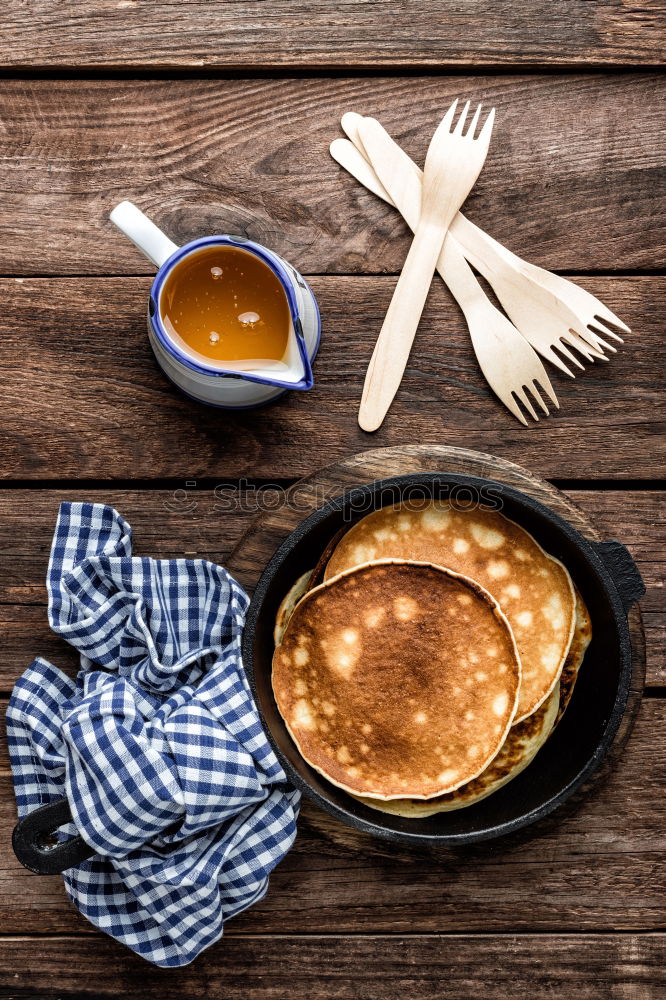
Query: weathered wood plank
point(572, 180)
point(202, 523)
point(82, 395)
point(598, 861)
point(240, 35)
point(187, 520)
point(561, 967)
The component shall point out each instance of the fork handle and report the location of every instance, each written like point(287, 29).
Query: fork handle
point(462, 282)
point(489, 257)
point(389, 358)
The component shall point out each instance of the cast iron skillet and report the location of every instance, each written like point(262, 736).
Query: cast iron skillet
point(605, 574)
point(607, 578)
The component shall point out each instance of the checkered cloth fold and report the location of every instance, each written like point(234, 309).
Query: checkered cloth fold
point(160, 752)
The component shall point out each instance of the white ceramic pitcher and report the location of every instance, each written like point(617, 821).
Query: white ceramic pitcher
point(213, 384)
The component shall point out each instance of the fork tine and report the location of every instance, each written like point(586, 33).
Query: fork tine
point(609, 318)
point(549, 354)
point(484, 134)
point(584, 337)
point(534, 390)
point(543, 382)
point(587, 342)
point(461, 121)
point(583, 346)
point(525, 400)
point(595, 332)
point(603, 344)
point(469, 134)
point(445, 123)
point(513, 407)
point(567, 354)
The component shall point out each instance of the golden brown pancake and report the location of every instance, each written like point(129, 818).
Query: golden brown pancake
point(580, 641)
point(288, 603)
point(520, 747)
point(533, 589)
point(397, 679)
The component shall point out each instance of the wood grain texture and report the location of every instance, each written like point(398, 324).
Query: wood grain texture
point(596, 862)
point(325, 33)
point(561, 967)
point(83, 397)
point(200, 522)
point(572, 180)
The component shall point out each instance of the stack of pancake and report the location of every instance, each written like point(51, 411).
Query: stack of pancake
point(433, 661)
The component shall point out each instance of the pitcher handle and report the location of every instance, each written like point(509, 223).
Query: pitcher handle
point(143, 233)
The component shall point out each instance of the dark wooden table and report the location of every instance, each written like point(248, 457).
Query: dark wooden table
point(217, 117)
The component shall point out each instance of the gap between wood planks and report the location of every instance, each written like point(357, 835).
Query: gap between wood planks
point(317, 72)
point(209, 483)
point(655, 932)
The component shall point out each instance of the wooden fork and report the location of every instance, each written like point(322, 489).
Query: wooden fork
point(575, 311)
point(552, 313)
point(453, 163)
point(511, 367)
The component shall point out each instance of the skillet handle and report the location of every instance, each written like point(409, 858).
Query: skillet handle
point(30, 846)
point(620, 564)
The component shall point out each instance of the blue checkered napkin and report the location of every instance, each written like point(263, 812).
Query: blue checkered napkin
point(161, 753)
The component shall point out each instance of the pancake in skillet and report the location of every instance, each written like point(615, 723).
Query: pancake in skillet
point(523, 742)
point(533, 589)
point(580, 641)
point(288, 603)
point(521, 746)
point(397, 679)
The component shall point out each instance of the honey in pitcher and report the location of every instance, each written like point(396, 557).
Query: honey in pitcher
point(227, 308)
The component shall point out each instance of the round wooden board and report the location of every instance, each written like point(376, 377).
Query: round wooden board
point(271, 527)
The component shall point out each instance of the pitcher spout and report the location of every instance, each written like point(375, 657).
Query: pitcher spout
point(298, 371)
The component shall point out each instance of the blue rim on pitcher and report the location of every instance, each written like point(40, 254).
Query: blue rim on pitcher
point(285, 280)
